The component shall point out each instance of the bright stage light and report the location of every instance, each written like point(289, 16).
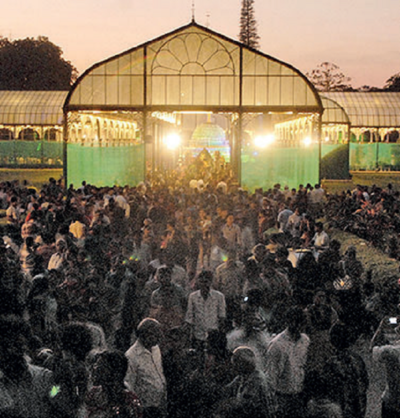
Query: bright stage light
point(264, 141)
point(307, 141)
point(172, 141)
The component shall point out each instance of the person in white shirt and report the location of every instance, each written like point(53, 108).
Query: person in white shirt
point(229, 279)
point(316, 199)
point(286, 361)
point(251, 395)
point(123, 204)
point(145, 375)
point(321, 238)
point(12, 212)
point(57, 260)
point(293, 223)
point(232, 233)
point(206, 309)
point(283, 218)
point(388, 356)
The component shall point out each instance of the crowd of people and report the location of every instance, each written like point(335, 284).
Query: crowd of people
point(197, 300)
point(371, 213)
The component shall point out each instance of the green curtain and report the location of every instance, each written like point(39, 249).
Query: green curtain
point(363, 156)
point(106, 166)
point(285, 165)
point(30, 153)
point(382, 155)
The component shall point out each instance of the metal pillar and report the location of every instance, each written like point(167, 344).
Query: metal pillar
point(65, 153)
point(319, 127)
point(144, 124)
point(237, 168)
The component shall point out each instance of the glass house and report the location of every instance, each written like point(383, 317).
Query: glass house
point(121, 112)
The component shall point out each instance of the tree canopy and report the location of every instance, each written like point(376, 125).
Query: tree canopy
point(248, 25)
point(328, 77)
point(34, 64)
point(393, 83)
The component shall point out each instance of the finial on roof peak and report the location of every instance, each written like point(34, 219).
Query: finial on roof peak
point(193, 11)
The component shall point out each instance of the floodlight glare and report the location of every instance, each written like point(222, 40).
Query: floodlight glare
point(172, 141)
point(263, 141)
point(307, 141)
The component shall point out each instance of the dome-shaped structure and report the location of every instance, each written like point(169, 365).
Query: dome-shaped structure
point(211, 137)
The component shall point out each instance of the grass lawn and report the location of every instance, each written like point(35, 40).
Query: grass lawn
point(366, 178)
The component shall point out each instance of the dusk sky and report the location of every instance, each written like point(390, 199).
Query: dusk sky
point(361, 36)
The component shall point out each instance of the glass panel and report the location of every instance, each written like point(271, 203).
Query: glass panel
point(227, 91)
point(287, 91)
point(112, 67)
point(287, 71)
point(261, 65)
point(311, 100)
point(207, 49)
point(166, 60)
point(100, 70)
point(164, 71)
point(386, 121)
point(137, 90)
point(98, 89)
point(213, 90)
point(124, 90)
point(158, 89)
point(125, 64)
point(199, 92)
point(112, 90)
point(274, 68)
point(220, 71)
point(261, 91)
point(229, 46)
point(87, 90)
point(186, 90)
point(374, 120)
point(137, 61)
point(193, 43)
point(235, 55)
point(249, 62)
point(218, 60)
point(192, 68)
point(274, 91)
point(173, 90)
point(299, 92)
point(248, 90)
point(178, 48)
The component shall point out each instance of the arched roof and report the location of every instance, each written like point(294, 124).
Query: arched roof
point(333, 112)
point(193, 68)
point(32, 107)
point(369, 109)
